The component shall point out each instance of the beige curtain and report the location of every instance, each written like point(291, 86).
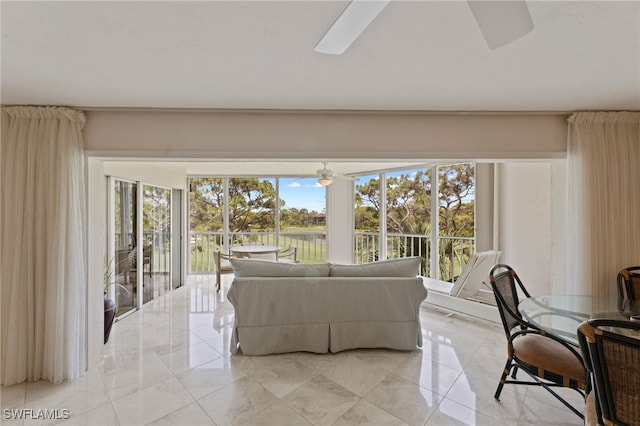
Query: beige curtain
point(42, 231)
point(604, 199)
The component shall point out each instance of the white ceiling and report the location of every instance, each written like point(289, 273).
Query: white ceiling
point(417, 55)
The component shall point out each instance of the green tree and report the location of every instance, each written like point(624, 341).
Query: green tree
point(251, 204)
point(456, 183)
point(456, 216)
point(367, 206)
point(206, 203)
point(408, 203)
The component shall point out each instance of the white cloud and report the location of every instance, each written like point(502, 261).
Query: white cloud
point(294, 185)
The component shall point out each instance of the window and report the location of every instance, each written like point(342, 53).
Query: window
point(367, 219)
point(252, 211)
point(456, 221)
point(303, 218)
point(408, 214)
point(402, 225)
point(271, 211)
point(140, 254)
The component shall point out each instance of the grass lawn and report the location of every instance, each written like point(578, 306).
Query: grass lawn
point(310, 242)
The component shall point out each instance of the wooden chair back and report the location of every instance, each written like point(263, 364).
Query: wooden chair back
point(612, 349)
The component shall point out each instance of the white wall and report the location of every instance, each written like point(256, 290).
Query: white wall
point(531, 223)
point(97, 251)
point(340, 221)
point(484, 203)
point(169, 176)
point(559, 195)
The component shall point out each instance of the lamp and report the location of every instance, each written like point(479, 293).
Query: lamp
point(324, 180)
point(325, 176)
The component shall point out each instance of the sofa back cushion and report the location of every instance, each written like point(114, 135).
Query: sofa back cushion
point(265, 268)
point(404, 267)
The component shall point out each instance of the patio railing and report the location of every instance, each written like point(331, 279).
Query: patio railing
point(311, 246)
point(454, 252)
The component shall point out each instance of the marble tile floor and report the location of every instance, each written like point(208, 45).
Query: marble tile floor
point(169, 364)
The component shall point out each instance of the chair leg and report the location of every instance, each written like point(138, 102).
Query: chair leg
point(217, 281)
point(562, 400)
point(514, 372)
point(503, 379)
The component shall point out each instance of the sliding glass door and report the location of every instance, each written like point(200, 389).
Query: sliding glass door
point(140, 243)
point(156, 220)
point(124, 223)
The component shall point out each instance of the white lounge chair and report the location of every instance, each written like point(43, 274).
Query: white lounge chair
point(472, 283)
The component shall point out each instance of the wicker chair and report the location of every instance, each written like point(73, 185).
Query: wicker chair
point(548, 360)
point(592, 414)
point(223, 266)
point(614, 361)
point(629, 283)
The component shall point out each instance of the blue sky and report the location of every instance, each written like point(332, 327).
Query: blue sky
point(302, 193)
point(307, 193)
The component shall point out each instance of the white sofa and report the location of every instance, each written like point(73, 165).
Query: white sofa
point(325, 307)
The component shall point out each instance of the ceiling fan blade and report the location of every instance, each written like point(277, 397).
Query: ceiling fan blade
point(349, 25)
point(501, 22)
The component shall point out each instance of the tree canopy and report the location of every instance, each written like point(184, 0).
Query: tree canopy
point(252, 203)
point(408, 201)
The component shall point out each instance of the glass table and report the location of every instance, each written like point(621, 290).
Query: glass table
point(560, 315)
point(247, 251)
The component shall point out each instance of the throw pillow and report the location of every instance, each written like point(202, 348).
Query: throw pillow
point(265, 268)
point(404, 267)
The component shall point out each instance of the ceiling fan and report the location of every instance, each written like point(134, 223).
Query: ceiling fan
point(500, 22)
point(326, 176)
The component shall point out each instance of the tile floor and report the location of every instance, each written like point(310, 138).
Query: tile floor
point(169, 364)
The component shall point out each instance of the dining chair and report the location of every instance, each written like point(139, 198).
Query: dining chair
point(223, 266)
point(592, 413)
point(289, 255)
point(629, 283)
point(612, 356)
point(549, 361)
point(132, 262)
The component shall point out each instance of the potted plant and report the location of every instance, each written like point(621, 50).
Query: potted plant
point(109, 304)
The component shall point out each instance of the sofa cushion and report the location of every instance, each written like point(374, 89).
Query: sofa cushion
point(404, 267)
point(265, 268)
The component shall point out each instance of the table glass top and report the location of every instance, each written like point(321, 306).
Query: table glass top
point(561, 314)
point(255, 249)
